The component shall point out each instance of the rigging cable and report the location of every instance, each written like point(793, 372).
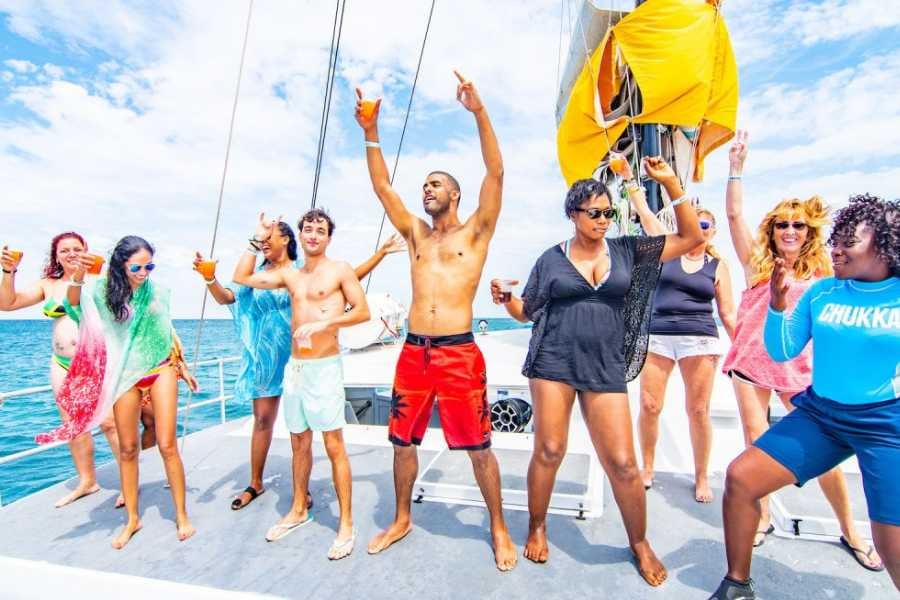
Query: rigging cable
point(336, 29)
point(212, 247)
point(412, 95)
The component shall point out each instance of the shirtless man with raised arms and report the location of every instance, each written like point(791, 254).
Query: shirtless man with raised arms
point(440, 357)
point(313, 397)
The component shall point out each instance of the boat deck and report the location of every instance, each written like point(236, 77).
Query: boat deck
point(45, 552)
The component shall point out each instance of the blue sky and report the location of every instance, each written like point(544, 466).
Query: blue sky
point(113, 119)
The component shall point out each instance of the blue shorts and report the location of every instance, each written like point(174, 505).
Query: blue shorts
point(820, 433)
point(313, 396)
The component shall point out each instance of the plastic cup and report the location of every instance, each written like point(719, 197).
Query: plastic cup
point(506, 287)
point(16, 255)
point(304, 342)
point(617, 163)
point(367, 109)
point(207, 268)
point(97, 266)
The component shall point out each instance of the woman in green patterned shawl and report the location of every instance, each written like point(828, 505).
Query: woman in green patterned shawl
point(127, 348)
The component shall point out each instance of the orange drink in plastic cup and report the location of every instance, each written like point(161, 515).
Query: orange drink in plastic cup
point(367, 109)
point(207, 268)
point(617, 163)
point(16, 255)
point(97, 266)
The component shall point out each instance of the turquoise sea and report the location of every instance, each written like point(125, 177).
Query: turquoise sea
point(24, 360)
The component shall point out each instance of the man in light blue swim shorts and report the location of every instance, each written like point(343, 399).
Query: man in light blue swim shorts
point(313, 393)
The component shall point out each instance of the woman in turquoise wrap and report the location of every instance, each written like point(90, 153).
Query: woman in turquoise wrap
point(262, 319)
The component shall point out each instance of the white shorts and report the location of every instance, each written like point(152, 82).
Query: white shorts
point(313, 396)
point(676, 347)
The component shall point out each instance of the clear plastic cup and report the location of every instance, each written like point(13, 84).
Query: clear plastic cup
point(97, 266)
point(16, 255)
point(506, 288)
point(304, 342)
point(207, 268)
point(367, 109)
point(617, 163)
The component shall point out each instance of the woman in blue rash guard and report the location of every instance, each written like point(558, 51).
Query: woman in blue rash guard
point(853, 404)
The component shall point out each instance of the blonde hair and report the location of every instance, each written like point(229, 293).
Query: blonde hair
point(813, 260)
point(710, 249)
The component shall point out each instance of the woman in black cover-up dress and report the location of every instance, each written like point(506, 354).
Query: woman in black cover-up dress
point(589, 298)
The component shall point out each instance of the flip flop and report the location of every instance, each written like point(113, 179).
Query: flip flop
point(342, 549)
point(765, 532)
point(280, 530)
point(236, 504)
point(853, 550)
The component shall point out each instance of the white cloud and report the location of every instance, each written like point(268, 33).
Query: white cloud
point(21, 66)
point(54, 71)
point(814, 22)
point(139, 147)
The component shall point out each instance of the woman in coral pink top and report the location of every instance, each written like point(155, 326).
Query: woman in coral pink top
point(793, 231)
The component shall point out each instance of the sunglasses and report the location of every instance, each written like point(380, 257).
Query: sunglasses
point(596, 213)
point(137, 268)
point(704, 224)
point(796, 225)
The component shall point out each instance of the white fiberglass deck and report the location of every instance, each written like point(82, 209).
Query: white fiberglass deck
point(47, 552)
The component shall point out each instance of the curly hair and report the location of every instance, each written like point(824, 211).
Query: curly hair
point(813, 260)
point(583, 190)
point(118, 290)
point(883, 216)
point(316, 214)
point(54, 270)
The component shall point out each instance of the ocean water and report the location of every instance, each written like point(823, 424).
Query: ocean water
point(24, 362)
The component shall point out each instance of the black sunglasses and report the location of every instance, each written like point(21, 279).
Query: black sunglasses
point(796, 225)
point(596, 213)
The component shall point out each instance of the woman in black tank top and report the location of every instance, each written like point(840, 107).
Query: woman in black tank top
point(682, 330)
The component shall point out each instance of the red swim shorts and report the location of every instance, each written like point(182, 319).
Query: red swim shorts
point(448, 367)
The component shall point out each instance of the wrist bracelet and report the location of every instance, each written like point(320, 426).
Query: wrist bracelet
point(253, 250)
point(210, 281)
point(734, 178)
point(255, 242)
point(683, 198)
point(73, 283)
point(10, 272)
point(372, 144)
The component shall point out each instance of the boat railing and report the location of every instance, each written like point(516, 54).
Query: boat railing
point(220, 399)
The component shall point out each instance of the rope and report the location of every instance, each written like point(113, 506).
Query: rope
point(412, 95)
point(212, 247)
point(336, 29)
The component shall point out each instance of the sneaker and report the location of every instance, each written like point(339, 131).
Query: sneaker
point(730, 589)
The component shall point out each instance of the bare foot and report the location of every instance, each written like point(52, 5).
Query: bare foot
point(536, 548)
point(391, 535)
point(505, 552)
point(650, 567)
point(185, 530)
point(79, 492)
point(702, 491)
point(125, 535)
point(647, 479)
point(120, 501)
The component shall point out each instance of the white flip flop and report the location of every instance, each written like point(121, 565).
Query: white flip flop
point(280, 530)
point(342, 548)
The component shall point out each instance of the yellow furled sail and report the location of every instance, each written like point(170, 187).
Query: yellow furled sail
point(680, 55)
